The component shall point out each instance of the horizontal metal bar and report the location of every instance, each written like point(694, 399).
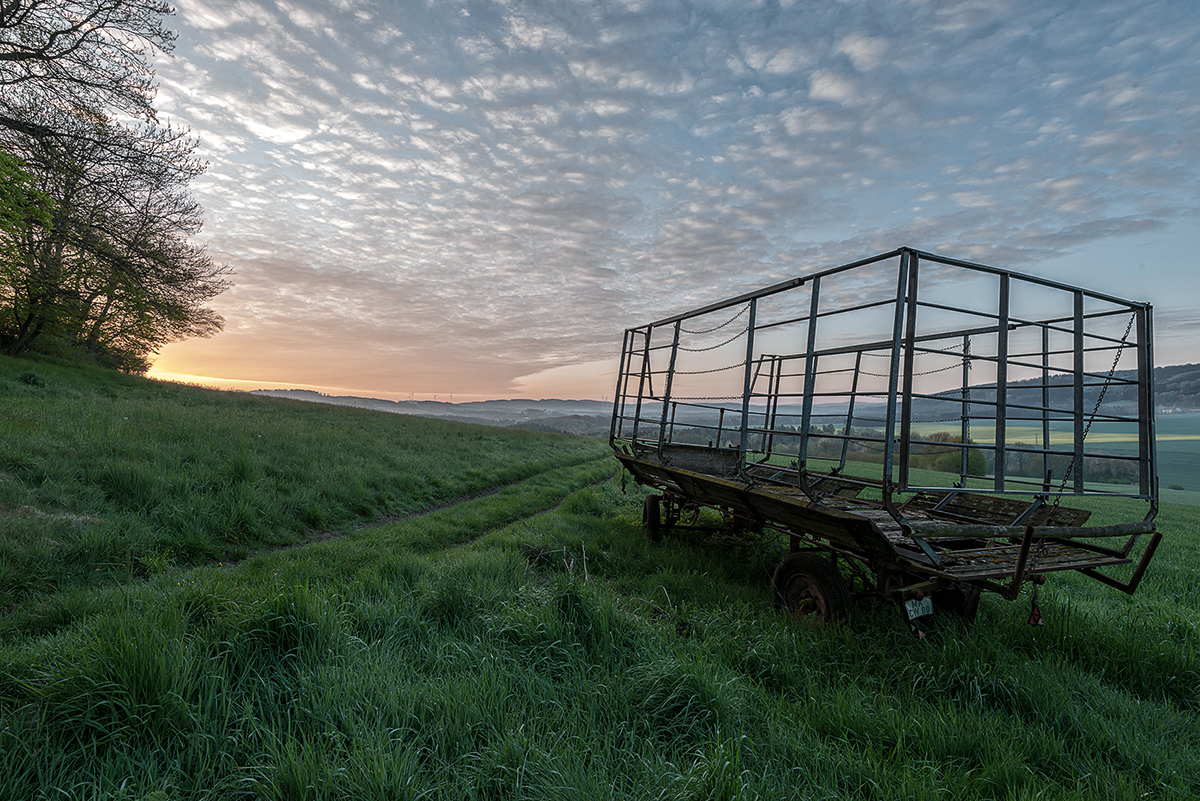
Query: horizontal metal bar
point(886, 344)
point(1032, 279)
point(1051, 324)
point(1038, 486)
point(805, 318)
point(1109, 418)
point(773, 289)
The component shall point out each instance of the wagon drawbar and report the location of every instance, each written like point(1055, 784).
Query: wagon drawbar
point(926, 427)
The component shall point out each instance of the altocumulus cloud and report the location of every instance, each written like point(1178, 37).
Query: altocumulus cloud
point(445, 197)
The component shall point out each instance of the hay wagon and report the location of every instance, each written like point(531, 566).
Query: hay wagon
point(915, 427)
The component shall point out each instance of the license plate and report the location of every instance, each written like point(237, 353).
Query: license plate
point(918, 608)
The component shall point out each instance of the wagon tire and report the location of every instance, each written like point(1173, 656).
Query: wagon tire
point(809, 587)
point(652, 518)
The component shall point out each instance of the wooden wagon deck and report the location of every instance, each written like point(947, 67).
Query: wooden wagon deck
point(972, 537)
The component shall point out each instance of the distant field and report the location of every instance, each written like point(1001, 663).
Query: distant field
point(1177, 435)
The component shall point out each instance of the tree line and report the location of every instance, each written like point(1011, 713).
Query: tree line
point(96, 224)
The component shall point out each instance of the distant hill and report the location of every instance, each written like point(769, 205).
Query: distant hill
point(1176, 388)
point(587, 418)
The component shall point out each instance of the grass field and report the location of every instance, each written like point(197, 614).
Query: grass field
point(1177, 437)
point(474, 614)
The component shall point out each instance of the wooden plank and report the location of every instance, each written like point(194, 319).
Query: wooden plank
point(995, 509)
point(1000, 561)
point(863, 528)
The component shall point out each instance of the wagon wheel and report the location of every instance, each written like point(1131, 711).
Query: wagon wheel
point(652, 518)
point(807, 585)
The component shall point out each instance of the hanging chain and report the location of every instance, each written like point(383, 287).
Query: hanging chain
point(733, 338)
point(745, 309)
point(888, 355)
point(737, 366)
point(1091, 419)
point(927, 372)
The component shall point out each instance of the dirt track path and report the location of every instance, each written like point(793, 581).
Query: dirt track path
point(323, 535)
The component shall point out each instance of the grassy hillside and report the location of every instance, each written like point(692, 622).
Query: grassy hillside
point(104, 476)
point(511, 635)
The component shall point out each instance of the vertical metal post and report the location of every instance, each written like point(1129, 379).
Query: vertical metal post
point(1077, 462)
point(850, 411)
point(910, 357)
point(1046, 406)
point(966, 409)
point(618, 418)
point(1001, 382)
point(1147, 461)
point(769, 361)
point(662, 426)
point(749, 382)
point(810, 370)
point(894, 376)
point(774, 385)
point(645, 375)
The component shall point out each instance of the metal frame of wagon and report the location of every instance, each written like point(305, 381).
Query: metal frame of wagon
point(783, 441)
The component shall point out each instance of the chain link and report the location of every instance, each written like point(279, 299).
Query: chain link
point(714, 370)
point(709, 398)
point(966, 391)
point(888, 354)
point(1092, 418)
point(927, 372)
point(719, 327)
point(733, 338)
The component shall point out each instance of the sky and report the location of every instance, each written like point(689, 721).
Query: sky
point(473, 200)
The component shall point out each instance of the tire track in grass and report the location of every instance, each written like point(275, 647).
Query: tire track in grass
point(422, 533)
point(463, 522)
point(340, 557)
point(325, 535)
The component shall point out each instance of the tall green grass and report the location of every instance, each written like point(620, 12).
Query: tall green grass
point(557, 654)
point(530, 644)
point(104, 477)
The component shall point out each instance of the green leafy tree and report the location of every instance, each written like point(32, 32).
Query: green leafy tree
point(96, 222)
point(20, 202)
point(23, 207)
point(114, 273)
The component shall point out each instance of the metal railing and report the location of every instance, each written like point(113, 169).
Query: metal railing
point(931, 373)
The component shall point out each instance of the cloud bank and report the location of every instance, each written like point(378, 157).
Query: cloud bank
point(446, 197)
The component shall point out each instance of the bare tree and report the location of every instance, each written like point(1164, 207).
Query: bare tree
point(80, 56)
